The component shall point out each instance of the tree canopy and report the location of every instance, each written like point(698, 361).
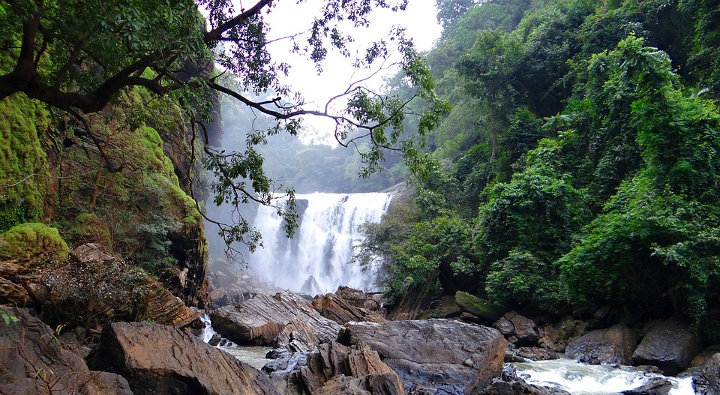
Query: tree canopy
point(79, 56)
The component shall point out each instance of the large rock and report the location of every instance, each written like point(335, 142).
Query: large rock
point(654, 386)
point(34, 361)
point(341, 310)
point(476, 307)
point(669, 345)
point(614, 345)
point(158, 359)
point(338, 369)
point(517, 329)
point(297, 336)
point(260, 319)
point(94, 288)
point(437, 355)
point(706, 377)
point(557, 337)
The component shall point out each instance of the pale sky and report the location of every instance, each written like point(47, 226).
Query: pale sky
point(287, 18)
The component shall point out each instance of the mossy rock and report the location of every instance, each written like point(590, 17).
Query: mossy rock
point(33, 242)
point(481, 309)
point(89, 228)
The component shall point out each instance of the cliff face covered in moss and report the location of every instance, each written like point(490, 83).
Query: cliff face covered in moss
point(117, 188)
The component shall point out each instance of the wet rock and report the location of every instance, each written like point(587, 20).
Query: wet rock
point(261, 318)
point(340, 310)
point(34, 361)
point(162, 359)
point(669, 345)
point(654, 386)
point(432, 355)
point(510, 384)
point(558, 336)
point(613, 345)
point(706, 377)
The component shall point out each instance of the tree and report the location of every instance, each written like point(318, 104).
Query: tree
point(78, 56)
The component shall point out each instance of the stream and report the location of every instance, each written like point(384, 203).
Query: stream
point(583, 379)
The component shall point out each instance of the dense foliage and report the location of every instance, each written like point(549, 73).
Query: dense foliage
point(578, 166)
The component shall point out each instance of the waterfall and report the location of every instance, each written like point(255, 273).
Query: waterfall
point(317, 259)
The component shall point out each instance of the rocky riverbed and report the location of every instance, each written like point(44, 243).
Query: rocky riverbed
point(341, 343)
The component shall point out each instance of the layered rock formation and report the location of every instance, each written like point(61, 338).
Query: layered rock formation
point(157, 359)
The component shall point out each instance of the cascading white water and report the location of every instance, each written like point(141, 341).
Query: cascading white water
point(583, 379)
point(317, 259)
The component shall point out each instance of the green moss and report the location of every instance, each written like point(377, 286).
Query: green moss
point(476, 306)
point(89, 228)
point(24, 173)
point(31, 241)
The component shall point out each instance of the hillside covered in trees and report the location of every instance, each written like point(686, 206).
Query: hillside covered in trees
point(578, 168)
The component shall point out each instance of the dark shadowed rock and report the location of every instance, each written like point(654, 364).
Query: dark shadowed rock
point(654, 386)
point(614, 345)
point(557, 337)
point(445, 307)
point(706, 377)
point(705, 355)
point(534, 353)
point(34, 361)
point(517, 329)
point(157, 359)
point(669, 345)
point(260, 319)
point(435, 356)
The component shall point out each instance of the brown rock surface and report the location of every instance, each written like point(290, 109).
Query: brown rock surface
point(34, 361)
point(614, 345)
point(434, 355)
point(260, 319)
point(157, 359)
point(338, 369)
point(341, 310)
point(297, 336)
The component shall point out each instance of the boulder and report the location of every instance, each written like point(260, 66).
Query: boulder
point(360, 299)
point(705, 355)
point(163, 359)
point(706, 377)
point(336, 368)
point(669, 345)
point(338, 309)
point(613, 345)
point(260, 319)
point(297, 336)
point(436, 355)
point(445, 307)
point(34, 361)
point(517, 329)
point(533, 354)
point(510, 384)
point(558, 336)
point(475, 306)
point(654, 386)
